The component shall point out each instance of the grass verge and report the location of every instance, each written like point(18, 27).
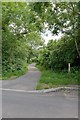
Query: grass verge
point(50, 79)
point(12, 75)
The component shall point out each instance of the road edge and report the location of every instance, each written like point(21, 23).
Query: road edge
point(42, 91)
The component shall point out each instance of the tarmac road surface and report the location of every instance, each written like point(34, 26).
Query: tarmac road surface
point(17, 104)
point(25, 82)
point(46, 105)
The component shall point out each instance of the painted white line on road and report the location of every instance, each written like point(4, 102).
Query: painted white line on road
point(34, 91)
point(40, 91)
point(14, 90)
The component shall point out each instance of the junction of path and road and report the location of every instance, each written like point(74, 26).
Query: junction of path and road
point(19, 104)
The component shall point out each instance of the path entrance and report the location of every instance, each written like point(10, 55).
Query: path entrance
point(25, 82)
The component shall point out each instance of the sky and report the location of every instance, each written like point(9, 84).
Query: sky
point(48, 36)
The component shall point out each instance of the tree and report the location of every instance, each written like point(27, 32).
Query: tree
point(60, 17)
point(18, 37)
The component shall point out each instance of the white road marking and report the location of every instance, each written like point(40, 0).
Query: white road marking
point(38, 91)
point(34, 91)
point(16, 90)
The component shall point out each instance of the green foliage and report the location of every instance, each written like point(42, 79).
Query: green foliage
point(20, 37)
point(51, 79)
point(20, 17)
point(16, 73)
point(61, 17)
point(57, 54)
point(22, 24)
point(13, 54)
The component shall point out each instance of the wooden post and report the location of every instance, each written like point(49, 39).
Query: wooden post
point(69, 67)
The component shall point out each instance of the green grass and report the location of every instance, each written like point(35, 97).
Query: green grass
point(12, 75)
point(50, 79)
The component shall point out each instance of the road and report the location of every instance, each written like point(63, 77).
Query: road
point(20, 104)
point(47, 105)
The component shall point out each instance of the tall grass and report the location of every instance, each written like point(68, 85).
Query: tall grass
point(52, 79)
point(14, 74)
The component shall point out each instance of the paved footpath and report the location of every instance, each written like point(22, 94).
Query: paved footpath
point(25, 82)
point(21, 104)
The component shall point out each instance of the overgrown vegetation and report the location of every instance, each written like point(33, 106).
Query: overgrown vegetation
point(51, 79)
point(19, 39)
point(22, 25)
point(57, 54)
